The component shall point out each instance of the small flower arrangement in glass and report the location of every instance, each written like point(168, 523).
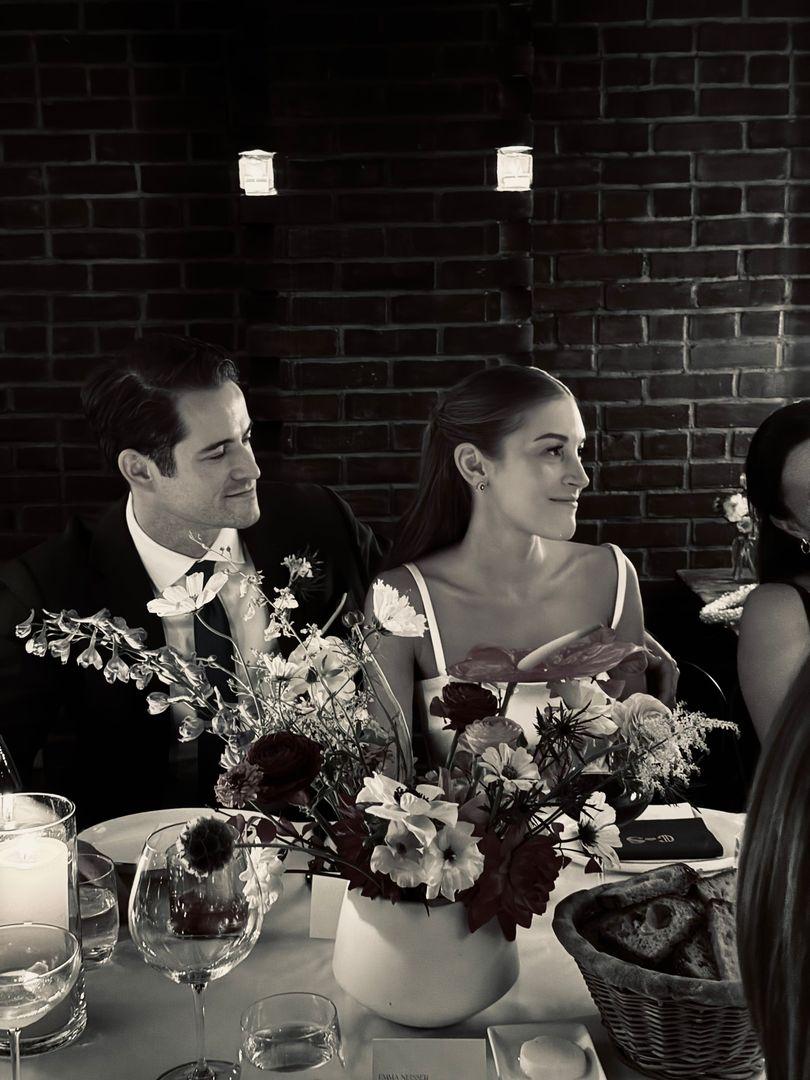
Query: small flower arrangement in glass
point(736, 511)
point(318, 729)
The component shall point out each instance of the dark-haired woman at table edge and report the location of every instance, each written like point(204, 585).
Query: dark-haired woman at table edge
point(775, 628)
point(773, 930)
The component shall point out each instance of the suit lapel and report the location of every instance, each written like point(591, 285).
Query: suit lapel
point(119, 581)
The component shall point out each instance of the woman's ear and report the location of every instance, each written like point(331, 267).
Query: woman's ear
point(135, 469)
point(470, 463)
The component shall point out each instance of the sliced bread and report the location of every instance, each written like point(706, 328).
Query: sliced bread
point(722, 886)
point(694, 958)
point(672, 880)
point(720, 922)
point(647, 933)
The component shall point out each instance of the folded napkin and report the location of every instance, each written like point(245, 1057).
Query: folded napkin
point(656, 839)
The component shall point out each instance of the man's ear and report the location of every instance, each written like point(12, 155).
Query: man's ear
point(789, 526)
point(136, 469)
point(470, 463)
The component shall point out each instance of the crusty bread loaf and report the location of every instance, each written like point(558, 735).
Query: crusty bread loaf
point(648, 932)
point(720, 922)
point(722, 886)
point(694, 957)
point(672, 880)
point(670, 920)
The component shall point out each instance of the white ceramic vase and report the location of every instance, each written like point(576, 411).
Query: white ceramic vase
point(418, 967)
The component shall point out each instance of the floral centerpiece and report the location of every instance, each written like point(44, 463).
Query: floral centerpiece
point(737, 512)
point(312, 724)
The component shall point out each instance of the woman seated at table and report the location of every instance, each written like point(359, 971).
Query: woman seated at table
point(485, 551)
point(775, 627)
point(773, 893)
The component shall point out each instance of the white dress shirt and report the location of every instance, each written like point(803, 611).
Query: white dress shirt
point(166, 567)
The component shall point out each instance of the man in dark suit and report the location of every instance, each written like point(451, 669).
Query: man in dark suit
point(171, 417)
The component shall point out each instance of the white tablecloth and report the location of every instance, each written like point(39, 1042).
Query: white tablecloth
point(141, 1024)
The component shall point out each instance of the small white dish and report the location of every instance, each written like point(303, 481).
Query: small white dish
point(506, 1040)
point(726, 827)
point(121, 839)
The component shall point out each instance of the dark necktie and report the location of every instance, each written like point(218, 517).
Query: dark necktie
point(207, 642)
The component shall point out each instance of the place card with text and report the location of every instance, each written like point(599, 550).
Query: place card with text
point(429, 1059)
point(324, 906)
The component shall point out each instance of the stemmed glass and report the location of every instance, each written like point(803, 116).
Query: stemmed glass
point(38, 966)
point(194, 928)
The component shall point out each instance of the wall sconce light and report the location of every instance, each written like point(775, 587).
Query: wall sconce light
point(514, 168)
point(256, 172)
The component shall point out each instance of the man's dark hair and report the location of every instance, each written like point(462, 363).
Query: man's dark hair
point(131, 402)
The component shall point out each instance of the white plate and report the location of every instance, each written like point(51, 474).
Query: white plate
point(726, 827)
point(507, 1039)
point(122, 838)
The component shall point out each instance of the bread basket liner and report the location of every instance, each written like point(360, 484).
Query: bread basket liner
point(652, 984)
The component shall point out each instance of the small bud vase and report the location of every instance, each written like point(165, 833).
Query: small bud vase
point(420, 966)
point(742, 557)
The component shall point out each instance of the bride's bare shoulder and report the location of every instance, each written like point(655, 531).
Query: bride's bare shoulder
point(594, 558)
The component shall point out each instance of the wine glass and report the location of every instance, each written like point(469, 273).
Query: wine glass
point(194, 928)
point(38, 966)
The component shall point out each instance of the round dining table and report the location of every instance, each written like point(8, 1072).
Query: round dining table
point(141, 1024)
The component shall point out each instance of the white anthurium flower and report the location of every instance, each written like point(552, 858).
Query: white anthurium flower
point(515, 767)
point(182, 599)
point(597, 831)
point(400, 857)
point(452, 862)
point(394, 613)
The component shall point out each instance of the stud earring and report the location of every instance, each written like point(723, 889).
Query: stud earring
point(804, 544)
point(483, 487)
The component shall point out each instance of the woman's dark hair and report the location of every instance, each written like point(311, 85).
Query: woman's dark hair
point(131, 403)
point(481, 409)
point(773, 892)
point(779, 556)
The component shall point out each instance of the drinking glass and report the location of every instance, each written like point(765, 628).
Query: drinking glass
point(38, 966)
point(98, 904)
point(289, 1033)
point(194, 929)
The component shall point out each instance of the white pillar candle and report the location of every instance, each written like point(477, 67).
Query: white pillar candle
point(34, 880)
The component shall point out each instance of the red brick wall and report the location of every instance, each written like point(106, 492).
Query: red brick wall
point(669, 232)
point(664, 239)
point(118, 210)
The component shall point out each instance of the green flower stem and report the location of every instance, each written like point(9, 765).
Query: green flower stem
point(507, 695)
point(246, 686)
point(452, 752)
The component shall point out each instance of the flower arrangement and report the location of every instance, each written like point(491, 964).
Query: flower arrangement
point(737, 512)
point(315, 726)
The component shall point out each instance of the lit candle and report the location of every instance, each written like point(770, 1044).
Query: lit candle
point(34, 881)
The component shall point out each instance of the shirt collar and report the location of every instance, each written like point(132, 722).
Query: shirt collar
point(164, 566)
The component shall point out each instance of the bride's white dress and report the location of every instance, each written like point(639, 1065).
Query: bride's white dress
point(527, 697)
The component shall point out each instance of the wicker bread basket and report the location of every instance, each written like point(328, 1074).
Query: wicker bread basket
point(666, 1026)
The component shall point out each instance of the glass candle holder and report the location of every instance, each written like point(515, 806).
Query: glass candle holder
point(39, 884)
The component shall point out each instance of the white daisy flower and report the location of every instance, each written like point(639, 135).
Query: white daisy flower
point(515, 767)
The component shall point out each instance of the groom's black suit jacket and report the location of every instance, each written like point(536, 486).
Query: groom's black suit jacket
point(101, 748)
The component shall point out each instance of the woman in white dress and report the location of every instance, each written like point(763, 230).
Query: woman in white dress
point(485, 552)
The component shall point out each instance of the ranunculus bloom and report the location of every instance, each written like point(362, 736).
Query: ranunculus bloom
point(491, 731)
point(463, 703)
point(637, 713)
point(289, 763)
